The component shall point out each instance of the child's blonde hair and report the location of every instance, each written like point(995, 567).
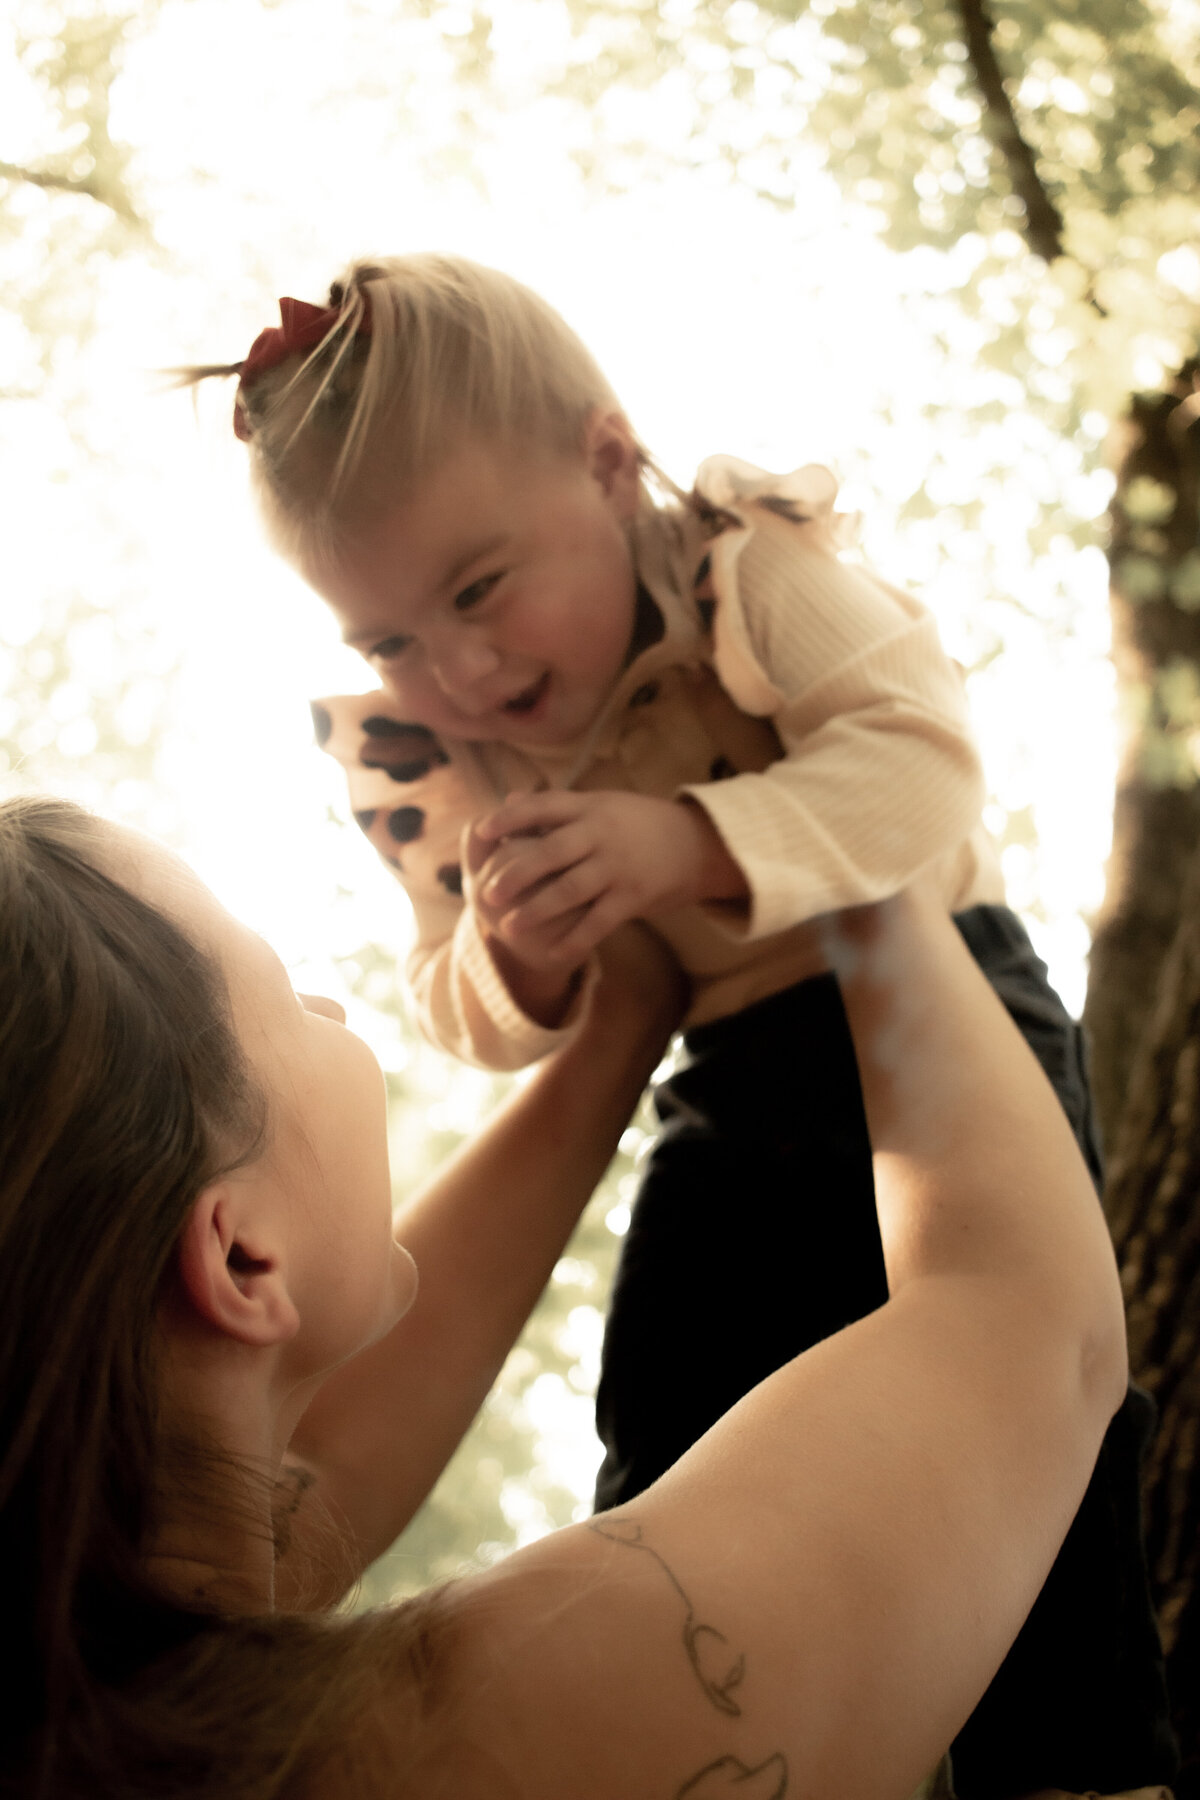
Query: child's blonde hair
point(422, 352)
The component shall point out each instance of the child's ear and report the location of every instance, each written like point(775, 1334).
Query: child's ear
point(614, 459)
point(231, 1274)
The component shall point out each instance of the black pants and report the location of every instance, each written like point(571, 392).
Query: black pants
point(754, 1236)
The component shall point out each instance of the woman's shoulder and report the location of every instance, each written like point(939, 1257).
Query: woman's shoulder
point(409, 1729)
point(594, 1663)
point(564, 1670)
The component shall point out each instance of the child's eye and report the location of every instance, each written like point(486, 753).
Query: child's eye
point(478, 590)
point(387, 648)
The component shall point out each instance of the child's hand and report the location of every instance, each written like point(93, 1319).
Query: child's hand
point(568, 868)
point(543, 993)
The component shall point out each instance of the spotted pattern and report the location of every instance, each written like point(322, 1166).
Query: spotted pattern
point(380, 726)
point(649, 626)
point(704, 593)
point(322, 723)
point(406, 824)
point(787, 509)
point(403, 751)
point(450, 876)
point(713, 519)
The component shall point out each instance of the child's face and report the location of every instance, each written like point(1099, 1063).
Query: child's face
point(497, 604)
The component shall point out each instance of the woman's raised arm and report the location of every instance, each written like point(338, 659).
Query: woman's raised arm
point(813, 1599)
point(485, 1234)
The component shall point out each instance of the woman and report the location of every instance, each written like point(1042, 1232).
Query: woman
point(223, 1394)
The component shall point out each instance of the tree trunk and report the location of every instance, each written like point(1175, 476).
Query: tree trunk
point(1143, 1007)
point(1153, 1190)
point(1155, 559)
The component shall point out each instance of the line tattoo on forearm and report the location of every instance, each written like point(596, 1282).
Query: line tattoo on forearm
point(718, 1670)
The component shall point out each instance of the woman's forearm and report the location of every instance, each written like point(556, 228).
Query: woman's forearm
point(977, 1172)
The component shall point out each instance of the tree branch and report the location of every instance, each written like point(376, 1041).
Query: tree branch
point(71, 184)
point(1043, 221)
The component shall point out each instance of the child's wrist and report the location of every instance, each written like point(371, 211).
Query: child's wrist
point(719, 876)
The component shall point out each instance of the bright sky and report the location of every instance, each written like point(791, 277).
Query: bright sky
point(272, 143)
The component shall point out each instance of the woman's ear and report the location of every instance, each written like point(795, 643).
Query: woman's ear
point(614, 460)
point(231, 1273)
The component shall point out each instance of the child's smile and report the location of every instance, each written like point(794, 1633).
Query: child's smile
point(497, 604)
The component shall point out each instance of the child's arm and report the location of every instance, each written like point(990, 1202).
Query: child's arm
point(414, 797)
point(485, 1234)
point(879, 777)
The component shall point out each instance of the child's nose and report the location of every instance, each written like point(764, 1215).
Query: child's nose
point(462, 659)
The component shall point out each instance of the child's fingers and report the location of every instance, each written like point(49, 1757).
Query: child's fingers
point(521, 864)
point(606, 916)
point(539, 949)
point(477, 857)
point(474, 850)
point(484, 862)
point(579, 886)
point(530, 812)
point(583, 929)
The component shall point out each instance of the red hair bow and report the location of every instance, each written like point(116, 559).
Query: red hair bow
point(302, 328)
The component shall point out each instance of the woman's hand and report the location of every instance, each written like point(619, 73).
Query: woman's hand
point(638, 967)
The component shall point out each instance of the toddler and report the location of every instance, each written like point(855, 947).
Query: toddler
point(603, 700)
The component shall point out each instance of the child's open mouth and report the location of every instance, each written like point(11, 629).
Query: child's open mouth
point(526, 701)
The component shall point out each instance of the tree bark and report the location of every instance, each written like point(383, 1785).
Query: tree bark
point(1154, 556)
point(115, 199)
point(1143, 1005)
point(1043, 222)
point(1153, 1190)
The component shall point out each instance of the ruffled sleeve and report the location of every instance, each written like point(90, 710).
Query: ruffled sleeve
point(880, 774)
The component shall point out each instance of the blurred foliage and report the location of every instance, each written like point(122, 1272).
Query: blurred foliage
point(889, 95)
point(82, 679)
point(66, 209)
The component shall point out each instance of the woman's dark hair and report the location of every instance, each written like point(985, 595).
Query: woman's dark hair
point(123, 1093)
